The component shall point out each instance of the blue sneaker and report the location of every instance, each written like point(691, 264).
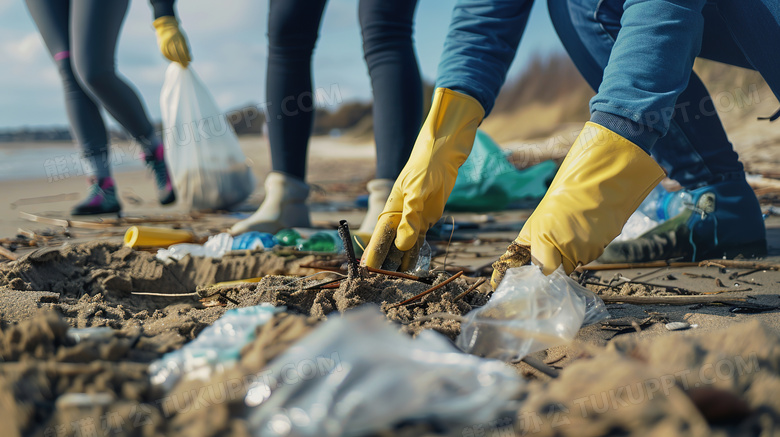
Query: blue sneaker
point(101, 198)
point(723, 220)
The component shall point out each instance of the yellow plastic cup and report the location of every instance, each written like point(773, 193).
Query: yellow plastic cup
point(148, 236)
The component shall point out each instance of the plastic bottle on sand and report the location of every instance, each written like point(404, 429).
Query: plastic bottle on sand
point(288, 237)
point(323, 241)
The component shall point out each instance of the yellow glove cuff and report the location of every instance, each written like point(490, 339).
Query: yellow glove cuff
point(171, 40)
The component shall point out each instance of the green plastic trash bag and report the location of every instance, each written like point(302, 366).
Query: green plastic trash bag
point(487, 181)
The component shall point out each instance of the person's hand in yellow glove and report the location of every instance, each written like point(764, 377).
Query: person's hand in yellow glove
point(172, 42)
point(418, 196)
point(600, 184)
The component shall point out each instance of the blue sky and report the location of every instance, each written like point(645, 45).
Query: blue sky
point(229, 49)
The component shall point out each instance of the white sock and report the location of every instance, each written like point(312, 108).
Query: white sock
point(284, 207)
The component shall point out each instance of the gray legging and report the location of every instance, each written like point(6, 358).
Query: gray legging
point(81, 36)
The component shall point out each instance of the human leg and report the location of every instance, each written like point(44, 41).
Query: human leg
point(397, 88)
point(293, 27)
point(695, 151)
point(755, 27)
point(53, 21)
point(94, 34)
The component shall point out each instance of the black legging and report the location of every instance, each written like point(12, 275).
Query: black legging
point(293, 27)
point(81, 36)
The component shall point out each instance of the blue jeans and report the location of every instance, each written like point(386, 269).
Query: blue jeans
point(695, 150)
point(647, 89)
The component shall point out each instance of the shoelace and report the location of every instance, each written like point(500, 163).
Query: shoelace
point(95, 190)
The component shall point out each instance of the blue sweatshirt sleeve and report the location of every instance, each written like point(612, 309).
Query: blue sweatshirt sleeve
point(162, 8)
point(481, 43)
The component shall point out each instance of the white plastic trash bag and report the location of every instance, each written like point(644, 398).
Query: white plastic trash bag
point(357, 374)
point(529, 312)
point(208, 168)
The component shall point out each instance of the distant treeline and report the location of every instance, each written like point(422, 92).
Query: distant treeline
point(38, 134)
point(46, 134)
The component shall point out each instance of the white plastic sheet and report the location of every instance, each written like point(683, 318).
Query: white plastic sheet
point(357, 374)
point(207, 165)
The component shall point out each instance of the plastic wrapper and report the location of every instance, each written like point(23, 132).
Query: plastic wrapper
point(214, 247)
point(208, 168)
point(216, 348)
point(357, 374)
point(529, 312)
point(423, 266)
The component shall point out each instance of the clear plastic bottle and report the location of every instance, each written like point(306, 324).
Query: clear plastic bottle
point(661, 205)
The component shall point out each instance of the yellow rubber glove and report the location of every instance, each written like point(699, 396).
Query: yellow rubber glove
point(172, 42)
point(600, 184)
point(418, 196)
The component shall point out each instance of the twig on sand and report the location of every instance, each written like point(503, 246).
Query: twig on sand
point(322, 284)
point(739, 264)
point(541, 366)
point(370, 269)
point(722, 263)
point(671, 300)
point(736, 275)
point(8, 254)
point(470, 289)
point(725, 291)
point(353, 267)
point(430, 290)
point(396, 274)
point(647, 265)
point(144, 293)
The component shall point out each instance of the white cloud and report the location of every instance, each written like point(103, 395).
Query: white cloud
point(25, 50)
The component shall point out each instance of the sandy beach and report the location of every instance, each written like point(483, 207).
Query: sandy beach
point(627, 375)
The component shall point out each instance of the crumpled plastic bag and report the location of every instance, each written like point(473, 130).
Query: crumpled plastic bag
point(208, 168)
point(487, 181)
point(529, 312)
point(215, 349)
point(357, 374)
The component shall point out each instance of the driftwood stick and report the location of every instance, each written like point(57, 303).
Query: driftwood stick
point(470, 289)
point(540, 366)
point(396, 274)
point(647, 265)
point(671, 300)
point(738, 264)
point(370, 269)
point(8, 254)
point(322, 284)
point(353, 267)
point(430, 290)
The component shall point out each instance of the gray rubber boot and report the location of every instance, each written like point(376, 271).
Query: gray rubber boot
point(378, 192)
point(284, 207)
